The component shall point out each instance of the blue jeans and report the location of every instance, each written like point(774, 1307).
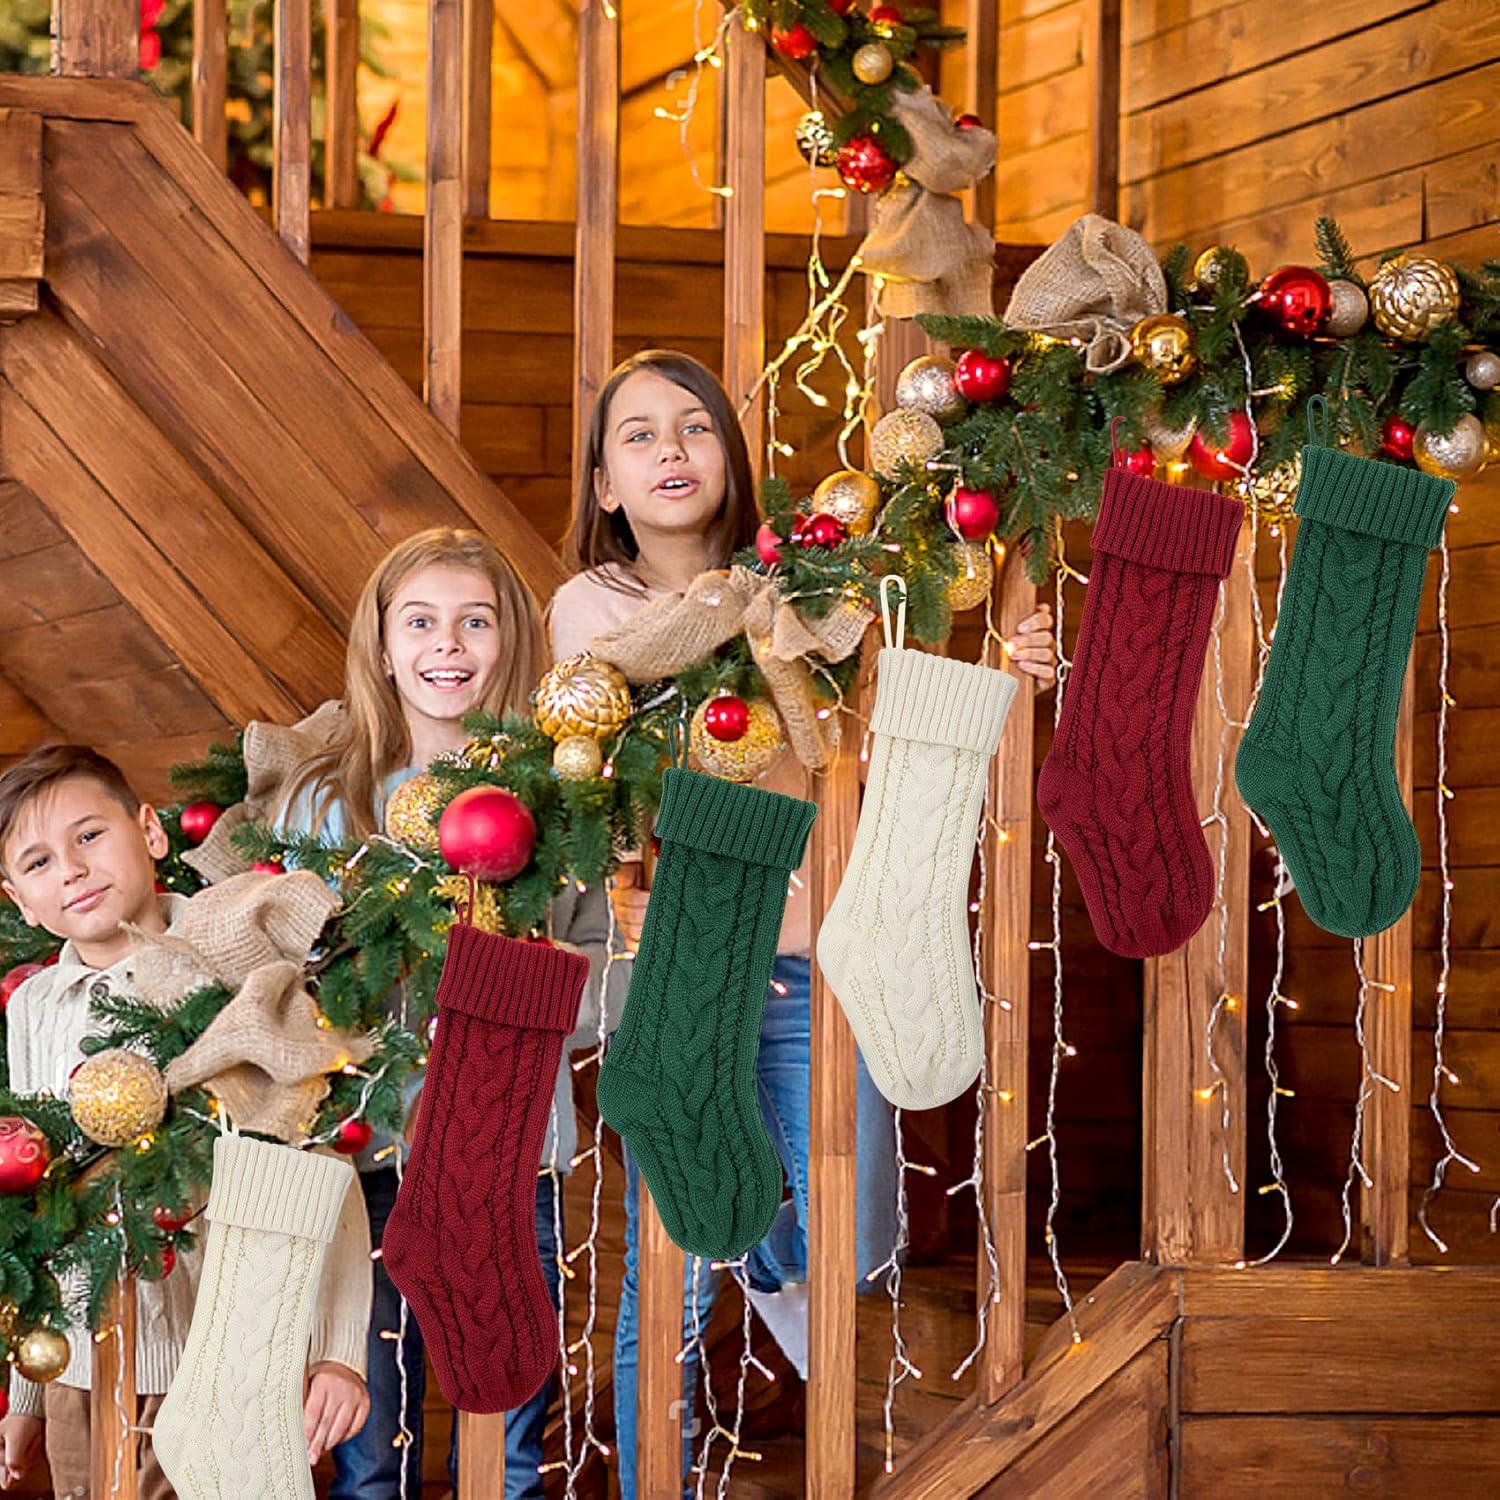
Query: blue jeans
point(782, 1080)
point(368, 1466)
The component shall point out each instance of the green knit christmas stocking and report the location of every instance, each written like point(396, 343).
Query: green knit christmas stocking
point(1317, 762)
point(678, 1082)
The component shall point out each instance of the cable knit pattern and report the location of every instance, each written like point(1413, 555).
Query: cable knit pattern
point(679, 1080)
point(895, 942)
point(1317, 762)
point(231, 1424)
point(461, 1241)
point(1117, 787)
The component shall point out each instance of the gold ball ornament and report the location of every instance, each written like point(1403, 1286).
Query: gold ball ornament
point(1459, 454)
point(577, 758)
point(411, 813)
point(1410, 295)
point(976, 577)
point(1482, 370)
point(1169, 443)
point(849, 496)
point(1163, 344)
point(1272, 495)
point(582, 695)
point(873, 63)
point(904, 437)
point(927, 384)
point(41, 1355)
point(1215, 265)
point(745, 758)
point(117, 1097)
point(8, 1314)
point(1348, 311)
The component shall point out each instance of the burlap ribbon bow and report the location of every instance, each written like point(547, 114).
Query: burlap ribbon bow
point(267, 1055)
point(677, 632)
point(930, 258)
point(1094, 284)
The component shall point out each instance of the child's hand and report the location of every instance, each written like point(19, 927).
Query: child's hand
point(336, 1408)
point(1032, 649)
point(20, 1447)
point(630, 900)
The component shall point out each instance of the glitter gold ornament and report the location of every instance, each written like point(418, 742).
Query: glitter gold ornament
point(577, 758)
point(816, 141)
point(1410, 295)
point(1163, 344)
point(1451, 455)
point(485, 910)
point(751, 755)
point(873, 63)
point(927, 384)
point(1482, 370)
point(8, 1314)
point(976, 577)
point(582, 695)
point(904, 437)
point(1215, 265)
point(117, 1096)
point(1350, 310)
point(1271, 495)
point(850, 497)
point(41, 1355)
point(411, 812)
point(1169, 443)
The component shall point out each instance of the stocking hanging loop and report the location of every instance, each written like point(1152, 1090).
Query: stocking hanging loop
point(897, 638)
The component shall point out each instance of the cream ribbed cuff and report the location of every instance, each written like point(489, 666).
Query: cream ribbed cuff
point(262, 1185)
point(941, 701)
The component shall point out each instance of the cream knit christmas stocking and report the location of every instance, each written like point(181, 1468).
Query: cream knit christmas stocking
point(895, 942)
point(231, 1425)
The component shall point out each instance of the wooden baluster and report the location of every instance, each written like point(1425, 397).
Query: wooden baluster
point(1388, 961)
point(291, 166)
point(443, 226)
point(658, 1384)
point(113, 1442)
point(479, 31)
point(341, 149)
point(211, 79)
point(1189, 1212)
point(744, 135)
point(1102, 59)
point(982, 87)
point(96, 38)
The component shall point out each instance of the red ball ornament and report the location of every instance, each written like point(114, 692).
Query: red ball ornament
point(170, 1220)
point(1141, 461)
point(726, 718)
point(1225, 460)
point(168, 1262)
point(1396, 438)
point(1296, 299)
point(980, 376)
point(487, 832)
point(197, 818)
point(841, 7)
point(24, 1155)
point(268, 867)
point(794, 41)
point(865, 165)
point(353, 1136)
point(973, 514)
point(14, 980)
point(886, 15)
point(968, 122)
point(768, 544)
point(820, 530)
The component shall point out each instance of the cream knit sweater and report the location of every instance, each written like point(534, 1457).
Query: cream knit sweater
point(46, 1022)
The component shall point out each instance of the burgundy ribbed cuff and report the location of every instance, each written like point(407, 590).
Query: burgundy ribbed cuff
point(503, 980)
point(1167, 525)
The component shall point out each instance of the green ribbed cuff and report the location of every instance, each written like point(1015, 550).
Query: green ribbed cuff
point(262, 1185)
point(940, 701)
point(724, 817)
point(1377, 499)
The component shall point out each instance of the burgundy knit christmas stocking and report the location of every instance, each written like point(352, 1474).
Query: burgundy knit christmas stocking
point(1117, 786)
point(461, 1241)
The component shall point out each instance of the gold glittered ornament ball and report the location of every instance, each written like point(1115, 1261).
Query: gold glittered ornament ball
point(1349, 309)
point(582, 695)
point(751, 755)
point(976, 577)
point(1410, 295)
point(1169, 443)
point(1163, 344)
point(904, 437)
point(1482, 370)
point(1272, 495)
point(928, 384)
point(577, 758)
point(1458, 454)
point(411, 812)
point(117, 1096)
point(873, 63)
point(849, 496)
point(41, 1355)
point(1215, 265)
point(8, 1314)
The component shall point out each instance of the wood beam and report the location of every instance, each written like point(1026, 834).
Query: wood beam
point(291, 144)
point(341, 70)
point(443, 245)
point(479, 33)
point(211, 79)
point(96, 38)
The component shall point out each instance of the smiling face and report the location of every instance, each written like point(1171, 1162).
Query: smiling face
point(663, 460)
point(442, 643)
point(79, 863)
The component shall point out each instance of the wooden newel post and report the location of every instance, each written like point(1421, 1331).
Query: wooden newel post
point(96, 38)
point(114, 1444)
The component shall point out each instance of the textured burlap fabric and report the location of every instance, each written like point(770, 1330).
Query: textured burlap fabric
point(1095, 283)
